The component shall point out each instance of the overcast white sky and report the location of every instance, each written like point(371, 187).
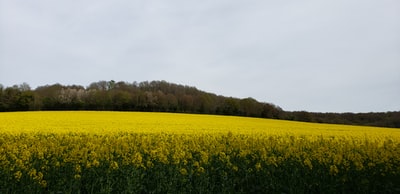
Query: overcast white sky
point(325, 56)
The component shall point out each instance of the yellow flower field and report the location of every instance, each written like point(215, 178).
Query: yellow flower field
point(135, 152)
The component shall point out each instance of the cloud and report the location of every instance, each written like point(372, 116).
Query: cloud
point(301, 55)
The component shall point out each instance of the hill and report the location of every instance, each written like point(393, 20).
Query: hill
point(162, 96)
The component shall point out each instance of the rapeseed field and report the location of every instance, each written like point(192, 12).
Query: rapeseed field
point(135, 152)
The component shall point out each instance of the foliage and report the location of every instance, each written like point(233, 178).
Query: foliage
point(161, 96)
point(120, 152)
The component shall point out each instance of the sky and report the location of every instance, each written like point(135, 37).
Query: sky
point(312, 55)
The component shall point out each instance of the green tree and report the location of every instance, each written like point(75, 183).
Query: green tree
point(16, 98)
point(250, 107)
point(230, 106)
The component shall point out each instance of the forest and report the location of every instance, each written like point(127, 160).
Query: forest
point(162, 96)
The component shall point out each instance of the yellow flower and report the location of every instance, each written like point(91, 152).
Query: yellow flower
point(77, 176)
point(137, 159)
point(235, 168)
point(88, 165)
point(43, 183)
point(41, 141)
point(200, 170)
point(78, 168)
point(114, 165)
point(18, 175)
point(308, 163)
point(96, 163)
point(359, 166)
point(258, 166)
point(32, 173)
point(39, 176)
point(196, 164)
point(333, 170)
point(183, 171)
point(149, 164)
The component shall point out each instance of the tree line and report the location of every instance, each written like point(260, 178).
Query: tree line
point(161, 96)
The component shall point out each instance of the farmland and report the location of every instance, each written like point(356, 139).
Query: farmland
point(136, 152)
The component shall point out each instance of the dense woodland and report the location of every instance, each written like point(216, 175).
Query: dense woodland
point(161, 96)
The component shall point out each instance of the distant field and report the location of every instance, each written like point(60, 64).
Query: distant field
point(135, 152)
